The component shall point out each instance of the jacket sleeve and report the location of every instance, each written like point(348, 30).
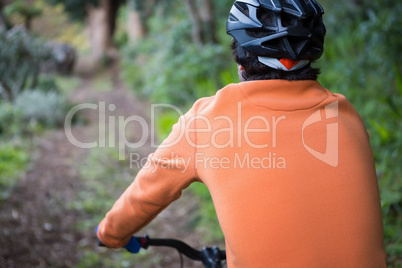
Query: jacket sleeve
point(167, 172)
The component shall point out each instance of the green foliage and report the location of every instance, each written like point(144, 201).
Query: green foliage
point(59, 28)
point(206, 220)
point(165, 122)
point(76, 9)
point(100, 168)
point(66, 85)
point(48, 83)
point(120, 37)
point(362, 61)
point(104, 178)
point(35, 110)
point(45, 108)
point(20, 58)
point(186, 77)
point(20, 7)
point(101, 258)
point(13, 161)
point(11, 124)
point(7, 120)
point(176, 72)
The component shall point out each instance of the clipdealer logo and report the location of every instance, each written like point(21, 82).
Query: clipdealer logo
point(325, 115)
point(112, 132)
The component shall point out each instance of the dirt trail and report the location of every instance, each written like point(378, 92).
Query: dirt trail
point(37, 229)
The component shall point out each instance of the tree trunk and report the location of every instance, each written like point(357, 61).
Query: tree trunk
point(135, 26)
point(28, 23)
point(29, 17)
point(148, 8)
point(208, 23)
point(3, 24)
point(7, 93)
point(196, 21)
point(98, 29)
point(114, 8)
point(201, 13)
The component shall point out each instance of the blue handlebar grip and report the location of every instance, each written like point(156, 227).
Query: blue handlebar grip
point(133, 246)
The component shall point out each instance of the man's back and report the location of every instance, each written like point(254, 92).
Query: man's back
point(291, 173)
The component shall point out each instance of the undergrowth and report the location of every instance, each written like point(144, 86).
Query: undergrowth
point(14, 160)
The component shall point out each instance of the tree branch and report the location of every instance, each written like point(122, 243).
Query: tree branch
point(7, 91)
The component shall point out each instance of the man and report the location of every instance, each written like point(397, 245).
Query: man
point(287, 162)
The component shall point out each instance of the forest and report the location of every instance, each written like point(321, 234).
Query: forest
point(129, 54)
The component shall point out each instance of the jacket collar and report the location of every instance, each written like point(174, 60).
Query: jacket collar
point(283, 95)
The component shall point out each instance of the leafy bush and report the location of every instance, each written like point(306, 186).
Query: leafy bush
point(67, 85)
point(20, 58)
point(13, 160)
point(38, 107)
point(362, 61)
point(104, 179)
point(177, 72)
point(7, 120)
point(47, 83)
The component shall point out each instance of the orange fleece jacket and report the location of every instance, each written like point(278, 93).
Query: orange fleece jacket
point(290, 171)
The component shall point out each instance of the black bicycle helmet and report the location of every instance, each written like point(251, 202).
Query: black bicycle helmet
point(279, 29)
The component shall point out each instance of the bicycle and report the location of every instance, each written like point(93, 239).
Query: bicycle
point(211, 257)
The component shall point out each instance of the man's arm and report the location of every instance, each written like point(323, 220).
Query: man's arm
point(168, 171)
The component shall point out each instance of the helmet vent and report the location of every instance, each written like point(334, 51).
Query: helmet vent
point(288, 19)
point(297, 44)
point(267, 17)
point(243, 8)
point(308, 22)
point(272, 44)
point(259, 33)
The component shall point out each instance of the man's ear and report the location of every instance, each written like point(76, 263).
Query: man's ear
point(241, 70)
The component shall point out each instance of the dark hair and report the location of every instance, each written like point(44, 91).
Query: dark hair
point(257, 71)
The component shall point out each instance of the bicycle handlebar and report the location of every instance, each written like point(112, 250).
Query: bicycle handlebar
point(210, 257)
